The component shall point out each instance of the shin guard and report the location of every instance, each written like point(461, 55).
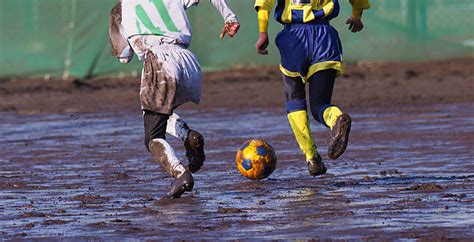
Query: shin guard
point(177, 127)
point(299, 122)
point(164, 154)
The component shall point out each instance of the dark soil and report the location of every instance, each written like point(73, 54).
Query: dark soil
point(366, 84)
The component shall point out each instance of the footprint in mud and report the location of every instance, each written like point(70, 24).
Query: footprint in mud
point(91, 199)
point(118, 220)
point(98, 224)
point(56, 222)
point(230, 210)
point(120, 176)
point(390, 172)
point(166, 201)
point(451, 195)
point(34, 215)
point(425, 187)
point(29, 225)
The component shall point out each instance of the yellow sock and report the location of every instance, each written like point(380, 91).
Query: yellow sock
point(299, 122)
point(330, 115)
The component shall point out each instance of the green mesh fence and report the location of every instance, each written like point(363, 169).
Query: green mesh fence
point(69, 38)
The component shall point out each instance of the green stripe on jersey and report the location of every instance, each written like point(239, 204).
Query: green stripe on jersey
point(160, 6)
point(146, 21)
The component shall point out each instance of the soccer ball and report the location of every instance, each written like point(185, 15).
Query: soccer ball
point(256, 159)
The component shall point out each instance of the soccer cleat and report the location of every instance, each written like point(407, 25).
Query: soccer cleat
point(184, 183)
point(339, 136)
point(194, 145)
point(316, 166)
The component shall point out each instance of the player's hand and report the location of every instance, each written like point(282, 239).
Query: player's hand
point(355, 25)
point(262, 43)
point(230, 28)
point(125, 60)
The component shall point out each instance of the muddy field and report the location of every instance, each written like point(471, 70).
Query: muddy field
point(73, 164)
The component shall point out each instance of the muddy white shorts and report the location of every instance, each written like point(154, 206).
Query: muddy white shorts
point(171, 74)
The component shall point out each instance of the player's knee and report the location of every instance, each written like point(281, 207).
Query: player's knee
point(294, 88)
point(296, 105)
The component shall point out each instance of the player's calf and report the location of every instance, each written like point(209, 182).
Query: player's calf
point(193, 141)
point(164, 154)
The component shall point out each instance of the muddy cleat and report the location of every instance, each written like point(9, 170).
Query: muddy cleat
point(340, 136)
point(194, 145)
point(316, 166)
point(184, 183)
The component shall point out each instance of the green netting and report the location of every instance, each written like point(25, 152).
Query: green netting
point(69, 38)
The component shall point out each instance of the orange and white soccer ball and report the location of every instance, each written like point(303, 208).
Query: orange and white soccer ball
point(256, 159)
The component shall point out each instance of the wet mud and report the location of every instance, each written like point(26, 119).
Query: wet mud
point(73, 163)
point(408, 173)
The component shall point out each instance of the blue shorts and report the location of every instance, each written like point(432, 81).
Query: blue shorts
point(308, 48)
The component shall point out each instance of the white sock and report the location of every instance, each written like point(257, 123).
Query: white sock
point(173, 161)
point(177, 127)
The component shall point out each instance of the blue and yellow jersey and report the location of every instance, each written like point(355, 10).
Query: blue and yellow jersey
point(307, 11)
point(308, 43)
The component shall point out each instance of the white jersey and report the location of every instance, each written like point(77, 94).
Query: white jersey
point(158, 32)
point(165, 18)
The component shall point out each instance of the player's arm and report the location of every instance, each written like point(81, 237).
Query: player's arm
point(119, 44)
point(263, 8)
point(355, 21)
point(231, 23)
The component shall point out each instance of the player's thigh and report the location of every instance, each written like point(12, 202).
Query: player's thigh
point(293, 52)
point(321, 85)
point(294, 88)
point(189, 81)
point(189, 65)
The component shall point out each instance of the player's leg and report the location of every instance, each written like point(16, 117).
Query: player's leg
point(291, 43)
point(298, 117)
point(321, 86)
point(155, 130)
point(157, 95)
point(193, 141)
point(188, 71)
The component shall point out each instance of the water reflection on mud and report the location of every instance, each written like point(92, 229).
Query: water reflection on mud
point(407, 173)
